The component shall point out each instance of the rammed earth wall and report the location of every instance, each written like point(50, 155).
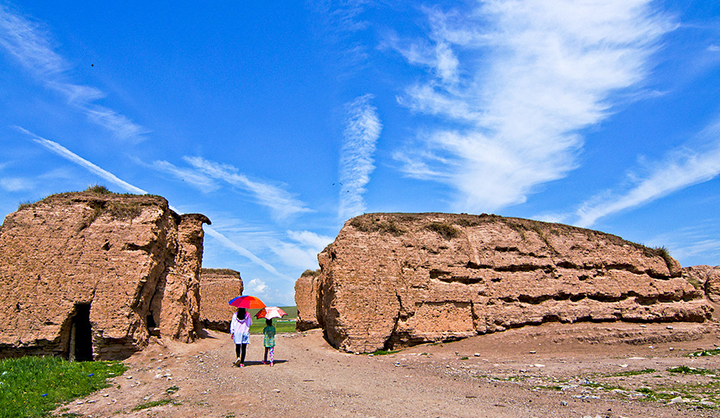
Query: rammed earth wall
point(94, 273)
point(217, 288)
point(393, 280)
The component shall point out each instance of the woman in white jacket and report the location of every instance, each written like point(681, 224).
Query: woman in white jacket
point(240, 333)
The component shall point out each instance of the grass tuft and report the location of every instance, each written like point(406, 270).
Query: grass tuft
point(705, 353)
point(445, 230)
point(311, 273)
point(98, 189)
point(384, 352)
point(632, 373)
point(153, 404)
point(24, 205)
point(690, 370)
point(367, 223)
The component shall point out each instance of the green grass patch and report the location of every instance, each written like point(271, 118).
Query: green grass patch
point(704, 353)
point(655, 395)
point(631, 373)
point(690, 370)
point(384, 352)
point(34, 386)
point(553, 388)
point(153, 404)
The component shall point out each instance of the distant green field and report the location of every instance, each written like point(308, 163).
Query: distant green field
point(286, 324)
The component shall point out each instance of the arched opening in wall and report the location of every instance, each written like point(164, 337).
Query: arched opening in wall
point(81, 334)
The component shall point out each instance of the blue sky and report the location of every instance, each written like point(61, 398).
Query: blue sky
point(280, 121)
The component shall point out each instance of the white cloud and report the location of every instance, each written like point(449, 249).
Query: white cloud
point(311, 239)
point(14, 184)
point(255, 287)
point(268, 293)
point(30, 45)
point(27, 42)
point(190, 176)
point(303, 250)
point(436, 53)
point(679, 170)
point(339, 20)
point(77, 94)
point(281, 203)
point(362, 131)
point(532, 74)
point(119, 124)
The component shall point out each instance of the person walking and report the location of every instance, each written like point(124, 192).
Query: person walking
point(269, 341)
point(240, 333)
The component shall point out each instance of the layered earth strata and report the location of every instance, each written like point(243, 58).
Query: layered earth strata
point(116, 266)
point(217, 288)
point(391, 280)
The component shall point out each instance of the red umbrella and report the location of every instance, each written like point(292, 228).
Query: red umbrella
point(247, 302)
point(270, 312)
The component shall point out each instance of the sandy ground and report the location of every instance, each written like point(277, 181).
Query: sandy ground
point(553, 370)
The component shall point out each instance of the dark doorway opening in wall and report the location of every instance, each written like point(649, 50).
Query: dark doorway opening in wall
point(152, 325)
point(81, 334)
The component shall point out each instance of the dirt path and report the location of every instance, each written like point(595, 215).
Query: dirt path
point(553, 370)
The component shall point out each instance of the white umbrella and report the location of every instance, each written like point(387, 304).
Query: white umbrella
point(270, 312)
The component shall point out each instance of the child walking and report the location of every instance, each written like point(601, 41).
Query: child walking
point(269, 341)
point(240, 332)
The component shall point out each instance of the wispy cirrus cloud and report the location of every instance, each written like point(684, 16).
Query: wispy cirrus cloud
point(691, 245)
point(680, 169)
point(29, 43)
point(15, 184)
point(513, 82)
point(282, 204)
point(362, 131)
point(340, 20)
point(232, 245)
point(63, 152)
point(191, 176)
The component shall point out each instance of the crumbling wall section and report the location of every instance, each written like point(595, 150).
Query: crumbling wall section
point(217, 288)
point(101, 249)
point(392, 280)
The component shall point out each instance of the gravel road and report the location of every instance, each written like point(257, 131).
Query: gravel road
point(579, 370)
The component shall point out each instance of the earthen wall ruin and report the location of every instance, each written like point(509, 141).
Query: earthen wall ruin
point(127, 262)
point(393, 280)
